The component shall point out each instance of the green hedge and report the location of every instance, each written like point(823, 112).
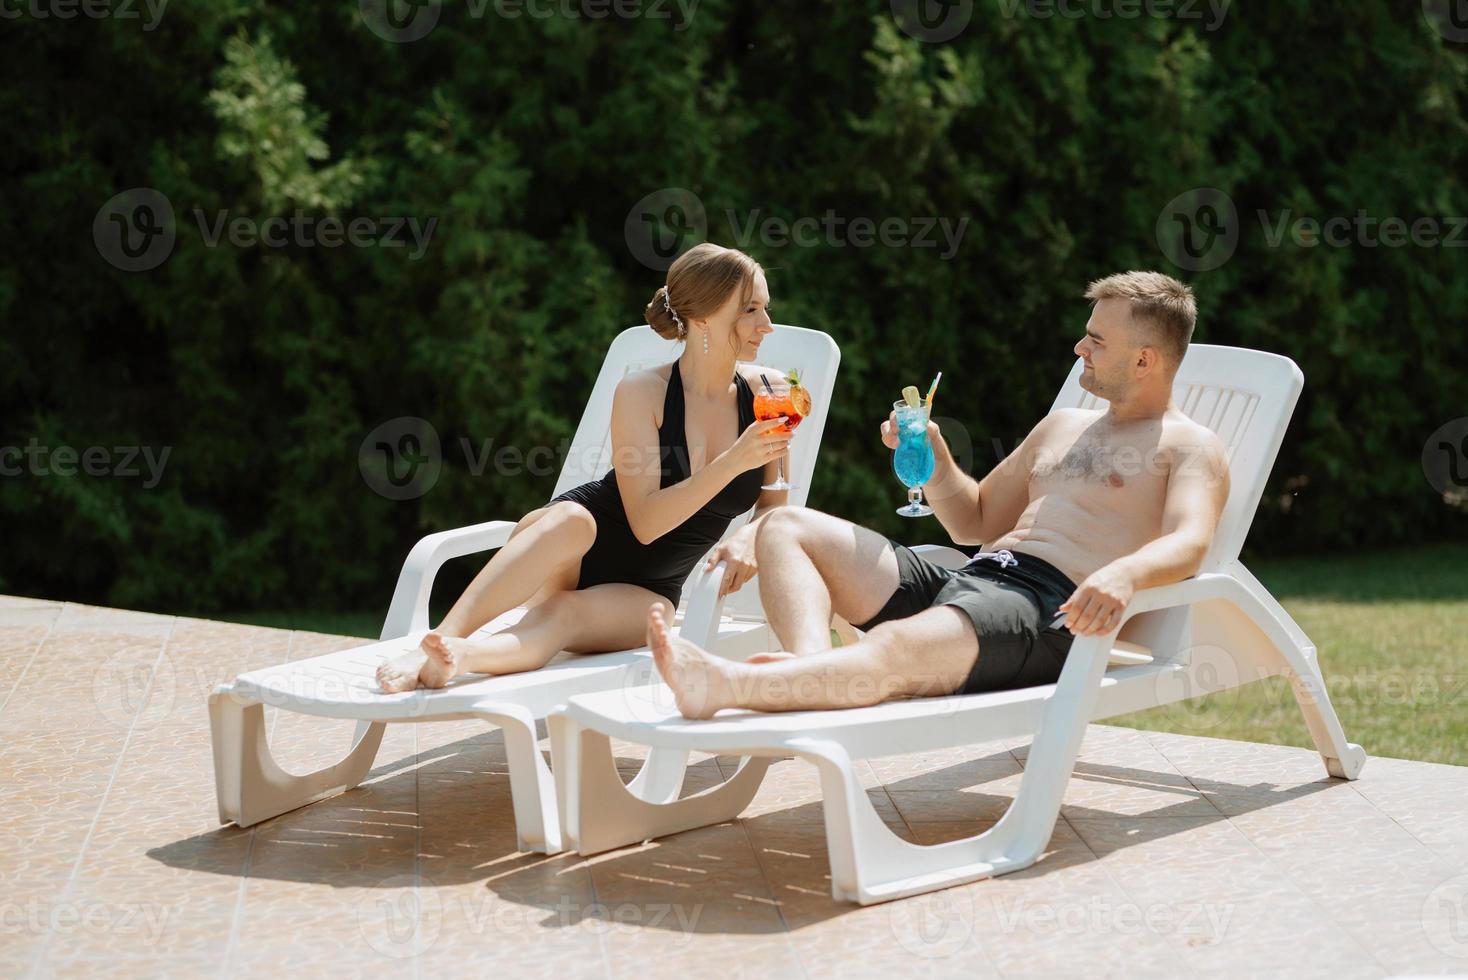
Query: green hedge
point(1060, 140)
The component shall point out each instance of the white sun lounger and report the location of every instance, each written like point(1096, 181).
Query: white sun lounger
point(251, 787)
point(1209, 633)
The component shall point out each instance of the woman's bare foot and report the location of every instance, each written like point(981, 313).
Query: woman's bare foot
point(702, 684)
point(401, 672)
point(437, 660)
point(445, 660)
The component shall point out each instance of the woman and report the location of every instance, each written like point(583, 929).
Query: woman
point(688, 457)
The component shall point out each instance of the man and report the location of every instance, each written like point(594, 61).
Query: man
point(1117, 500)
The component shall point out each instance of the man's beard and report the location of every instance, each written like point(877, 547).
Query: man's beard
point(1091, 381)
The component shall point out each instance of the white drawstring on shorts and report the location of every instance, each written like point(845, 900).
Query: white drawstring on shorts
point(1004, 557)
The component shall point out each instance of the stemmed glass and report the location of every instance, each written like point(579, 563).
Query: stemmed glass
point(913, 459)
point(771, 402)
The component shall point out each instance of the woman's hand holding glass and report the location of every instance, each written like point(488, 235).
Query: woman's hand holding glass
point(762, 441)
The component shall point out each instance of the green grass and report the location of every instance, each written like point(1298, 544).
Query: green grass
point(1391, 628)
point(334, 623)
point(1392, 633)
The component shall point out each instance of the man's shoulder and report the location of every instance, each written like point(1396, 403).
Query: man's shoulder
point(1179, 431)
point(1067, 418)
point(1192, 444)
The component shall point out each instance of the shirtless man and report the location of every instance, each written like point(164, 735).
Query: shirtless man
point(1119, 499)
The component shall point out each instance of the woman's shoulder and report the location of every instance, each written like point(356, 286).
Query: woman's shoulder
point(648, 381)
point(643, 391)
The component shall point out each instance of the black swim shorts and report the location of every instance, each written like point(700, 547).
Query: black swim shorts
point(1012, 599)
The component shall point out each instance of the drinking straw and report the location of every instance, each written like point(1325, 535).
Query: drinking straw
point(765, 378)
point(934, 389)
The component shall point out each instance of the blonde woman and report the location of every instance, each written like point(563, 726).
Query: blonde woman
point(688, 458)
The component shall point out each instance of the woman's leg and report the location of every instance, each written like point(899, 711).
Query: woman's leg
point(599, 619)
point(541, 558)
point(548, 543)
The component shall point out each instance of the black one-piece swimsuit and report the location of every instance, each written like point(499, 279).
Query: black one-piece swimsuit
point(662, 565)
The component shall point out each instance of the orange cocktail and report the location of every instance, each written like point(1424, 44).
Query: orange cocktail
point(790, 400)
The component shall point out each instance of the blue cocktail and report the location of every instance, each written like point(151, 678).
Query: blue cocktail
point(913, 460)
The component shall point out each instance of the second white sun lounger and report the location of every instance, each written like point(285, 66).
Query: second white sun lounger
point(1215, 631)
point(251, 787)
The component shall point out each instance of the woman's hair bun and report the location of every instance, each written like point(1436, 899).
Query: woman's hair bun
point(661, 319)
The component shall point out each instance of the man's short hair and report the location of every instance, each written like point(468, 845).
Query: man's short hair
point(1163, 307)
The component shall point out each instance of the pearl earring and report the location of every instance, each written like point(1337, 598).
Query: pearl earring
point(705, 340)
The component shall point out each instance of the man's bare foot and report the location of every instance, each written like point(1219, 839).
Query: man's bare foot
point(701, 683)
point(401, 672)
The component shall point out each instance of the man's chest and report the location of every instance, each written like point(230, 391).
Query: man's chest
point(1088, 465)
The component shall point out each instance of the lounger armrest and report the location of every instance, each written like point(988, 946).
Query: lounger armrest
point(409, 608)
point(1184, 593)
point(705, 605)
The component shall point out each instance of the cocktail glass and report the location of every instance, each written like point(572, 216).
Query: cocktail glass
point(772, 401)
point(913, 460)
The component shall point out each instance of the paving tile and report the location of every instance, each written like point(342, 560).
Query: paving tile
point(1173, 854)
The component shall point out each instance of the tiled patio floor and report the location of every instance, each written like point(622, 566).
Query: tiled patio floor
point(1174, 855)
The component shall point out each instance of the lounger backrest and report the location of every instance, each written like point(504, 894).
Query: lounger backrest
point(1247, 397)
point(639, 348)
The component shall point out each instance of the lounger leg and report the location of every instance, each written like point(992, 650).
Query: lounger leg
point(532, 787)
point(599, 812)
point(661, 778)
point(251, 787)
point(871, 864)
point(1300, 665)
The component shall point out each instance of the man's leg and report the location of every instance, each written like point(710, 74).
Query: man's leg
point(929, 654)
point(810, 564)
